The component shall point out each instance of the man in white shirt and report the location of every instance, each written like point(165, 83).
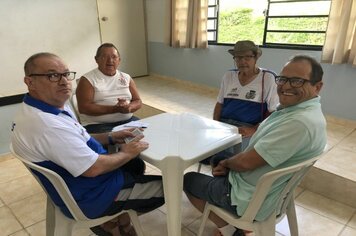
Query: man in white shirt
point(46, 132)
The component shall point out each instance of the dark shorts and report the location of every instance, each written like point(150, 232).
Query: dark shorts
point(225, 154)
point(142, 193)
point(215, 190)
point(106, 127)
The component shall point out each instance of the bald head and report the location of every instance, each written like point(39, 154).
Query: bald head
point(30, 64)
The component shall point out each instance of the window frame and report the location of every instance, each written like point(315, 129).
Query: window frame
point(266, 30)
point(216, 18)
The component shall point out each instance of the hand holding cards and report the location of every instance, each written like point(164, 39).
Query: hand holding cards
point(136, 132)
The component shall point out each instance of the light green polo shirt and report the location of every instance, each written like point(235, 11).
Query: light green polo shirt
point(288, 136)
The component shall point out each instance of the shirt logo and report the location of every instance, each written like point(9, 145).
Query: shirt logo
point(251, 94)
point(233, 93)
point(122, 80)
point(82, 130)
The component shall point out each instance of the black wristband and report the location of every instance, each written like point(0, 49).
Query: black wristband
point(110, 139)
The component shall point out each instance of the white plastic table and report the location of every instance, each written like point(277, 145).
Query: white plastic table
point(176, 142)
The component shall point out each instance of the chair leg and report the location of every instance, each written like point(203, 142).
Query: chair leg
point(292, 219)
point(204, 219)
point(136, 223)
point(267, 227)
point(50, 218)
point(63, 225)
point(199, 167)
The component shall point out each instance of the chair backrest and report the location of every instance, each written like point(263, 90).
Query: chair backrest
point(74, 105)
point(58, 183)
point(264, 184)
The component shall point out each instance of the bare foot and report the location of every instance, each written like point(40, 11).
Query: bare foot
point(115, 231)
point(108, 226)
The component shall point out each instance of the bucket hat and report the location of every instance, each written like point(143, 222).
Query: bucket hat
point(245, 45)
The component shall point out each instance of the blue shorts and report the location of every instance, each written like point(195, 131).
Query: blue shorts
point(215, 190)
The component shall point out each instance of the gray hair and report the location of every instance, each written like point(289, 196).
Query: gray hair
point(105, 45)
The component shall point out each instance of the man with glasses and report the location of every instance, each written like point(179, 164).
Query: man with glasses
point(46, 132)
point(295, 132)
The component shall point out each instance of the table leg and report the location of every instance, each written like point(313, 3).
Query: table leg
point(172, 175)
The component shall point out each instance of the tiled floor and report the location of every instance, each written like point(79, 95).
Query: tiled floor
point(22, 202)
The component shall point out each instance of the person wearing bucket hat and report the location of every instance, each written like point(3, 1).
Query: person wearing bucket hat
point(248, 94)
point(245, 45)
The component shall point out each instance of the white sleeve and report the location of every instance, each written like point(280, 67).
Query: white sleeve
point(271, 96)
point(68, 149)
point(221, 96)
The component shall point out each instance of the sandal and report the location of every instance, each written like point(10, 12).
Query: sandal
point(99, 231)
point(127, 230)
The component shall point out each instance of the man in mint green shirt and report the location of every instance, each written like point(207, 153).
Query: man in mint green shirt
point(292, 134)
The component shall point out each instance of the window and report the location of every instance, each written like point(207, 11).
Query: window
point(213, 20)
point(270, 23)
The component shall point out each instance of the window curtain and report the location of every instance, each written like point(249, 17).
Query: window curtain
point(340, 41)
point(189, 23)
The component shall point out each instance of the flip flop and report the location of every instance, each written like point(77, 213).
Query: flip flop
point(100, 231)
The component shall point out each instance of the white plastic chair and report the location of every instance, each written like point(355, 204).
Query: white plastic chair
point(284, 207)
point(74, 105)
point(57, 224)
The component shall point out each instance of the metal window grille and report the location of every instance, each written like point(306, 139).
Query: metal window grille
point(288, 24)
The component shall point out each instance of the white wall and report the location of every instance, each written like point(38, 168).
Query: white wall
point(157, 15)
point(68, 28)
point(207, 66)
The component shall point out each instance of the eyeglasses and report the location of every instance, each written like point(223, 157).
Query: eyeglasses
point(55, 77)
point(295, 82)
point(247, 57)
